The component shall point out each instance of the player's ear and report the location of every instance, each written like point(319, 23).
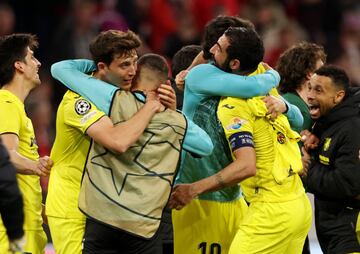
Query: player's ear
point(101, 66)
point(19, 66)
point(339, 96)
point(308, 75)
point(234, 64)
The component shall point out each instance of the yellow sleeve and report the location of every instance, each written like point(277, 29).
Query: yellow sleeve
point(81, 113)
point(10, 118)
point(237, 121)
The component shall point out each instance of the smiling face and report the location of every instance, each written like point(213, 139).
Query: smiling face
point(121, 71)
point(322, 96)
point(31, 67)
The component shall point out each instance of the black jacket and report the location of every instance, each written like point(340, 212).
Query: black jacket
point(334, 176)
point(11, 206)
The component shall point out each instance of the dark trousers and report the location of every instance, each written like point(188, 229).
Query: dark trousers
point(166, 231)
point(102, 239)
point(336, 227)
point(306, 248)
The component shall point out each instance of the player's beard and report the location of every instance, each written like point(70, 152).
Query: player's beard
point(225, 66)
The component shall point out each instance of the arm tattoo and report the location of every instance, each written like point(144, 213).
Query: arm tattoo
point(220, 181)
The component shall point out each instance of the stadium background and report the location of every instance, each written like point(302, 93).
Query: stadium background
point(65, 28)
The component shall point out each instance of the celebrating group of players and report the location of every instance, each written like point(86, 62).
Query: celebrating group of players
point(233, 165)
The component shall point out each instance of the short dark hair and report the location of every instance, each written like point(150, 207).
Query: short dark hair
point(216, 27)
point(338, 76)
point(111, 43)
point(246, 46)
point(14, 48)
point(156, 63)
point(183, 58)
point(296, 62)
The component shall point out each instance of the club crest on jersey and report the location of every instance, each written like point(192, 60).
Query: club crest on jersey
point(235, 124)
point(327, 144)
point(281, 138)
point(82, 106)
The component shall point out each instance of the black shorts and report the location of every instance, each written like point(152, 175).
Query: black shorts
point(100, 238)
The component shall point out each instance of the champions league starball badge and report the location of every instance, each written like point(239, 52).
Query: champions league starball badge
point(82, 107)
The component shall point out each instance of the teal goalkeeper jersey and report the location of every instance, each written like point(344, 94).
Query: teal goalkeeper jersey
point(203, 87)
point(193, 168)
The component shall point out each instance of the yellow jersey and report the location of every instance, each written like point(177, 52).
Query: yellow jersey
point(74, 116)
point(13, 119)
point(278, 158)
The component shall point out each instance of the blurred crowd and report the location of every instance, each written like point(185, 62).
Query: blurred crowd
point(65, 29)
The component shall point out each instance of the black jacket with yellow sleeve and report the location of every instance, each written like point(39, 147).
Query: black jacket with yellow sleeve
point(334, 176)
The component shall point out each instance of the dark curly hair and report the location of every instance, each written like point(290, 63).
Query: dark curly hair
point(296, 62)
point(246, 46)
point(183, 58)
point(217, 26)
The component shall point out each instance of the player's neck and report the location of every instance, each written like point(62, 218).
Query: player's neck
point(143, 87)
point(96, 74)
point(18, 87)
point(243, 72)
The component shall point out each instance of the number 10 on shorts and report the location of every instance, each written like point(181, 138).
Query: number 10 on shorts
point(215, 248)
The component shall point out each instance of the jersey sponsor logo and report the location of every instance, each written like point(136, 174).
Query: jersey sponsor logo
point(326, 144)
point(228, 106)
point(235, 124)
point(82, 106)
point(281, 138)
point(88, 116)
